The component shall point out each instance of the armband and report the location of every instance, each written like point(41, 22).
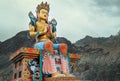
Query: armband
point(37, 34)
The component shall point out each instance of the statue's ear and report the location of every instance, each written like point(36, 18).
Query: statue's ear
point(37, 14)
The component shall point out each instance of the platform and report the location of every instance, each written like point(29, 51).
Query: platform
point(61, 79)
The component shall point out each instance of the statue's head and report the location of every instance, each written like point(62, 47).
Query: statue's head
point(42, 11)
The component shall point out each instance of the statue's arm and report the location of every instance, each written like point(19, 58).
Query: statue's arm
point(32, 31)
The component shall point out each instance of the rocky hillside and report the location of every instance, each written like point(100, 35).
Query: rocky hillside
point(112, 41)
point(100, 57)
point(70, 45)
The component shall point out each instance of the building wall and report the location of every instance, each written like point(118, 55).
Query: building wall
point(25, 72)
point(20, 71)
point(6, 73)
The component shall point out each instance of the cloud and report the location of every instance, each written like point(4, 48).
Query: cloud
point(86, 18)
point(76, 19)
point(109, 7)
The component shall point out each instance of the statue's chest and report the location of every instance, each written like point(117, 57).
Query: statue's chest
point(41, 26)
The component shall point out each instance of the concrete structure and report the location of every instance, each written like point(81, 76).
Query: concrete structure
point(20, 60)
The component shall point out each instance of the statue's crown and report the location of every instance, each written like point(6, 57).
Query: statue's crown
point(43, 6)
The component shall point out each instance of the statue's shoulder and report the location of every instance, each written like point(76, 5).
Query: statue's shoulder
point(37, 22)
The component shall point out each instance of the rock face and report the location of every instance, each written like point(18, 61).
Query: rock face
point(100, 65)
point(70, 45)
point(11, 45)
point(100, 58)
point(99, 61)
point(112, 41)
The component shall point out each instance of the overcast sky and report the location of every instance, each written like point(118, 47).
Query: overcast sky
point(76, 18)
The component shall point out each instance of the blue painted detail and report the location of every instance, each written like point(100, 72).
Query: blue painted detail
point(47, 74)
point(40, 61)
point(54, 28)
point(37, 34)
point(33, 19)
point(33, 68)
point(39, 45)
point(55, 41)
point(54, 24)
point(56, 46)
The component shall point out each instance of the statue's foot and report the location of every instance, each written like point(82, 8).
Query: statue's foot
point(58, 75)
point(68, 75)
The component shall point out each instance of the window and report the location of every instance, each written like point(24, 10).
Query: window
point(20, 62)
point(20, 73)
point(15, 75)
point(15, 65)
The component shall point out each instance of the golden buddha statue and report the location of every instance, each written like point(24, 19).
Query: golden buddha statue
point(44, 32)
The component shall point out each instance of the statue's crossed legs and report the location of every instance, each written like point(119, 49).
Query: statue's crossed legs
point(49, 66)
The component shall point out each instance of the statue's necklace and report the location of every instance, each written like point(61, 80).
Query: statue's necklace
point(43, 23)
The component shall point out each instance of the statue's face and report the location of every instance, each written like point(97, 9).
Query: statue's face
point(43, 14)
